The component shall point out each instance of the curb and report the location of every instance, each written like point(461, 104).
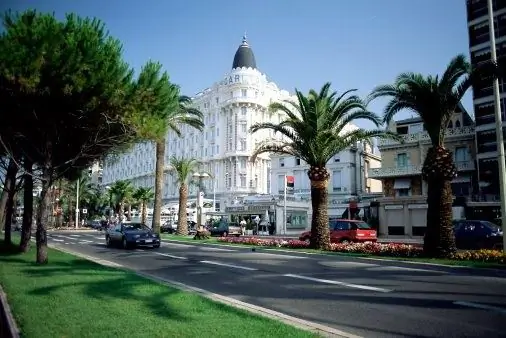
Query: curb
point(499, 272)
point(322, 330)
point(11, 330)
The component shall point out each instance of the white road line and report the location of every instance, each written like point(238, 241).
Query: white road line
point(58, 240)
point(229, 265)
point(67, 243)
point(170, 256)
point(75, 236)
point(101, 237)
point(217, 249)
point(328, 281)
point(481, 306)
point(84, 242)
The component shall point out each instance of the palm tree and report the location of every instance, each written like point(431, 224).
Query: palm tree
point(183, 169)
point(121, 192)
point(143, 196)
point(165, 110)
point(434, 99)
point(315, 128)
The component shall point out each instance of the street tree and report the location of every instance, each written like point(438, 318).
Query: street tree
point(316, 127)
point(162, 109)
point(143, 196)
point(67, 85)
point(434, 99)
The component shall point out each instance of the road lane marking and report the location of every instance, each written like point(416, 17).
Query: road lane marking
point(170, 256)
point(328, 281)
point(101, 237)
point(57, 240)
point(229, 265)
point(75, 236)
point(481, 306)
point(217, 249)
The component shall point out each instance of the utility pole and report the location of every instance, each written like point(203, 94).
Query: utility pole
point(77, 203)
point(498, 122)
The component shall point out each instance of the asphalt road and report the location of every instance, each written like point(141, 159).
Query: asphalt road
point(364, 297)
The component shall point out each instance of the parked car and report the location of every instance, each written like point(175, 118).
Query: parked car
point(131, 235)
point(347, 230)
point(168, 227)
point(471, 234)
point(225, 229)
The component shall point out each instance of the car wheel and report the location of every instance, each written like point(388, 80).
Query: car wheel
point(108, 241)
point(225, 234)
point(307, 240)
point(344, 241)
point(156, 246)
point(125, 243)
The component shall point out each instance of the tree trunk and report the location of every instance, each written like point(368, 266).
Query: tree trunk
point(159, 167)
point(320, 236)
point(129, 210)
point(43, 212)
point(438, 171)
point(10, 187)
point(26, 229)
point(5, 192)
point(182, 220)
point(144, 210)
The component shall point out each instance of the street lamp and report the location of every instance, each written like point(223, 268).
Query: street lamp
point(200, 177)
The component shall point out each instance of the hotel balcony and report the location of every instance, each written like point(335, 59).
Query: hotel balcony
point(412, 170)
point(452, 134)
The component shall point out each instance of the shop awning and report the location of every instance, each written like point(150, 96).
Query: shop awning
point(402, 183)
point(462, 179)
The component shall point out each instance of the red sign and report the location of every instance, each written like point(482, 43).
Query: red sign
point(290, 180)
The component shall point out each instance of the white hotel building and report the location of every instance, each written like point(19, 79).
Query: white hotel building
point(225, 146)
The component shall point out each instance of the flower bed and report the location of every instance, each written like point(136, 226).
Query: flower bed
point(374, 249)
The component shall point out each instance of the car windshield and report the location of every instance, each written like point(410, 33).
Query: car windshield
point(362, 225)
point(135, 226)
point(492, 226)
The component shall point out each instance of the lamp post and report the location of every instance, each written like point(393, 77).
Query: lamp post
point(498, 123)
point(200, 177)
point(77, 203)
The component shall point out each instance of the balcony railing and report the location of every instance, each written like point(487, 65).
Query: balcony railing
point(424, 137)
point(411, 170)
point(408, 170)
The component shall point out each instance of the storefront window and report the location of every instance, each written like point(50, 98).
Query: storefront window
point(296, 220)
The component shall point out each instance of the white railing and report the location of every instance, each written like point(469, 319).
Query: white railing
point(424, 137)
point(413, 170)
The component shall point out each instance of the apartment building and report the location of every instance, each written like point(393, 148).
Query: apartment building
point(403, 207)
point(483, 100)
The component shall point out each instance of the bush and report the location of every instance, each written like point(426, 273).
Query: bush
point(202, 234)
point(374, 249)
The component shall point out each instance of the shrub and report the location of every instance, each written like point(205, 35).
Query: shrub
point(374, 249)
point(202, 234)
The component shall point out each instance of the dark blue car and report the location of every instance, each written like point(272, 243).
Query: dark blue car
point(470, 234)
point(131, 235)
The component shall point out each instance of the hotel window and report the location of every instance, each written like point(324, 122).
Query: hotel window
point(243, 128)
point(243, 145)
point(244, 111)
point(281, 162)
point(244, 92)
point(297, 161)
point(402, 160)
point(243, 181)
point(337, 158)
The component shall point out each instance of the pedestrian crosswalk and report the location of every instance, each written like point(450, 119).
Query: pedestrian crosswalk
point(73, 239)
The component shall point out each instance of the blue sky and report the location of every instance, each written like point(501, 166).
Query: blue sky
point(353, 44)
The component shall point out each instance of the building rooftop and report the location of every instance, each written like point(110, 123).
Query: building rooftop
point(244, 57)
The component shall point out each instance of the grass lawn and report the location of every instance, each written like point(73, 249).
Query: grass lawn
point(72, 297)
point(470, 264)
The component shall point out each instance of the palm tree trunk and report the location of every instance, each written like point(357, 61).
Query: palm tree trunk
point(159, 167)
point(10, 187)
point(42, 218)
point(129, 210)
point(144, 212)
point(320, 236)
point(182, 220)
point(438, 171)
point(26, 229)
